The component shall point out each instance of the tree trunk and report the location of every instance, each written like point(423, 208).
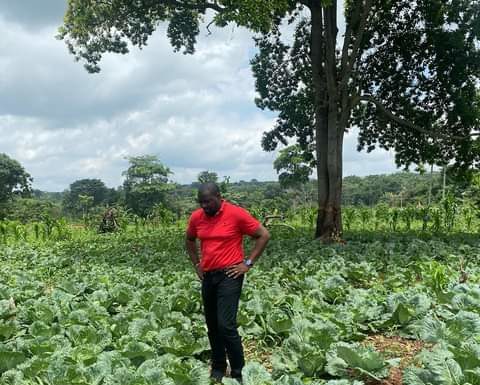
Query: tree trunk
point(328, 134)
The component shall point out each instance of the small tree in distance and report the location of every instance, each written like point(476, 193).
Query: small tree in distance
point(14, 180)
point(207, 176)
point(94, 188)
point(146, 182)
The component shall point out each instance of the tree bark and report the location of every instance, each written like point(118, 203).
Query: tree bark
point(321, 111)
point(328, 134)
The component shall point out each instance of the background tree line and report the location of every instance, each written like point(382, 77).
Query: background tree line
point(148, 190)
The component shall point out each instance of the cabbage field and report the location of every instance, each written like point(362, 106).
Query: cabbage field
point(125, 309)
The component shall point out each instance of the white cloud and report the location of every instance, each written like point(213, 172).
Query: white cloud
point(362, 163)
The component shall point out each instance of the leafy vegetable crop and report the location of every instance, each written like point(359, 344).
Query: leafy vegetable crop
point(126, 309)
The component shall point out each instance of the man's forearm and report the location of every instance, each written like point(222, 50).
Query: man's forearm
point(261, 240)
point(192, 251)
point(260, 244)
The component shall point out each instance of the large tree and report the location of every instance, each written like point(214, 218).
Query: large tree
point(14, 180)
point(405, 72)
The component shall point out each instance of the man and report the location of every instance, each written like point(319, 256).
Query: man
point(220, 227)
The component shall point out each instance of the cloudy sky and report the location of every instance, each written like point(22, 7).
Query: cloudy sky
point(194, 112)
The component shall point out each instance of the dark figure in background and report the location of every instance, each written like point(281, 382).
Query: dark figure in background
point(220, 227)
point(109, 223)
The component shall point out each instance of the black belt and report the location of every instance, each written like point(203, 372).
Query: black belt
point(216, 271)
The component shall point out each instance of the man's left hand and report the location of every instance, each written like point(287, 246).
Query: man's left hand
point(236, 271)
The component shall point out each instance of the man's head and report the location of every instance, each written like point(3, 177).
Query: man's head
point(209, 198)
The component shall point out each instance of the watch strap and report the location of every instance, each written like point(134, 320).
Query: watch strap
point(248, 262)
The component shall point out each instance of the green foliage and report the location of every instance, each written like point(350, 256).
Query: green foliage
point(32, 210)
point(14, 180)
point(296, 164)
point(125, 308)
point(450, 210)
point(443, 366)
point(423, 43)
point(290, 91)
point(305, 348)
point(207, 176)
point(84, 194)
point(92, 29)
point(396, 78)
point(345, 359)
point(145, 184)
point(393, 189)
point(253, 374)
point(48, 229)
point(472, 191)
point(437, 76)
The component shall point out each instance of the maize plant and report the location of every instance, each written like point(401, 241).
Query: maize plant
point(36, 231)
point(424, 213)
point(408, 215)
point(436, 219)
point(16, 230)
point(62, 229)
point(450, 206)
point(349, 215)
point(3, 232)
point(364, 216)
point(48, 224)
point(310, 216)
point(468, 216)
point(381, 215)
point(394, 218)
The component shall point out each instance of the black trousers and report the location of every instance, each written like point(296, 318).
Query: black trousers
point(221, 295)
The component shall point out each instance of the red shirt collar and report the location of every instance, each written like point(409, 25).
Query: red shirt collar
point(220, 210)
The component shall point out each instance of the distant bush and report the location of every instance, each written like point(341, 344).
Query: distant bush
point(31, 210)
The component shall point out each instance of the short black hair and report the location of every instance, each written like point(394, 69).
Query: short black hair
point(209, 188)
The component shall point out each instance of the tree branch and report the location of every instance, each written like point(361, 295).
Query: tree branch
point(215, 7)
point(348, 61)
point(348, 38)
point(407, 123)
point(208, 26)
point(359, 36)
point(199, 6)
point(358, 18)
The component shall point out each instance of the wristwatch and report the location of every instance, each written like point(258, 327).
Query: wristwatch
point(248, 262)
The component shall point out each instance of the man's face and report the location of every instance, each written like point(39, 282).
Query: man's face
point(210, 203)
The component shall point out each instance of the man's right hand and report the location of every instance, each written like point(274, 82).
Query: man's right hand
point(199, 271)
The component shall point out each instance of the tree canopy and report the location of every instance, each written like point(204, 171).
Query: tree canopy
point(146, 182)
point(207, 176)
point(92, 28)
point(14, 180)
point(296, 166)
point(93, 188)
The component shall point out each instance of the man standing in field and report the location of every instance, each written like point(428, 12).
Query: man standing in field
point(220, 227)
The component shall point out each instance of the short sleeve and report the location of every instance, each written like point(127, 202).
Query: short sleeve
point(247, 223)
point(192, 227)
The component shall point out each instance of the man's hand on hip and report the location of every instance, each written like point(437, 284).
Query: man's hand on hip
point(236, 271)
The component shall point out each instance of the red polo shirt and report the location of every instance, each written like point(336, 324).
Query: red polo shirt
point(221, 235)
